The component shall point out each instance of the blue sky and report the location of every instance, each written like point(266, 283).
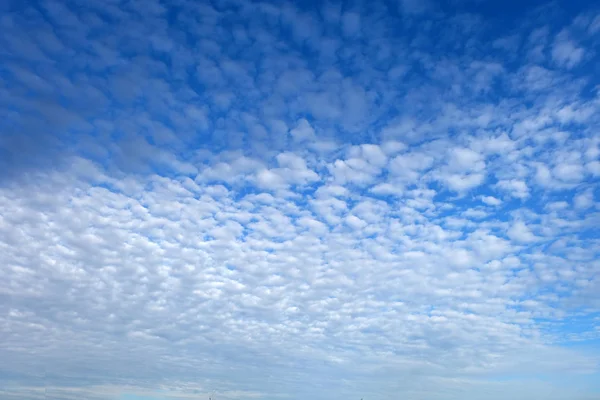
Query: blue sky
point(285, 200)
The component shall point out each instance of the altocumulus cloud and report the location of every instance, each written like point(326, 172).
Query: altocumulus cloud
point(274, 200)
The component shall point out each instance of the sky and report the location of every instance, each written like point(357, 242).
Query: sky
point(286, 200)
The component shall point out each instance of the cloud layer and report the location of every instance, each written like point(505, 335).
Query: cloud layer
point(265, 200)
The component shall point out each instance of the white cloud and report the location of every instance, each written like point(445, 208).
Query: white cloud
point(514, 188)
point(568, 172)
point(557, 205)
point(374, 155)
point(270, 180)
point(259, 251)
point(460, 183)
point(521, 233)
point(593, 167)
point(584, 200)
point(407, 168)
point(303, 131)
point(491, 200)
point(292, 171)
point(230, 171)
point(501, 144)
point(463, 171)
point(332, 190)
point(463, 159)
point(565, 51)
point(387, 189)
point(291, 161)
point(392, 147)
point(543, 175)
point(355, 170)
point(355, 222)
point(298, 194)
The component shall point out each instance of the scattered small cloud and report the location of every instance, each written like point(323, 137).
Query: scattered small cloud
point(240, 198)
